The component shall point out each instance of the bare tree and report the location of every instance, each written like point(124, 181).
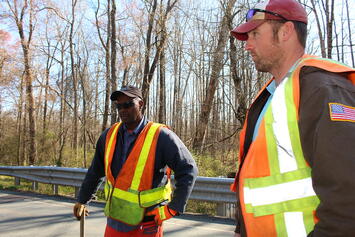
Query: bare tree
point(18, 14)
point(161, 91)
point(217, 65)
point(113, 58)
point(149, 69)
point(350, 33)
point(328, 11)
point(320, 31)
point(106, 47)
point(74, 78)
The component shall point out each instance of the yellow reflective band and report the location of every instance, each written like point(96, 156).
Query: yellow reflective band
point(107, 188)
point(109, 147)
point(143, 156)
point(152, 196)
point(162, 213)
point(124, 195)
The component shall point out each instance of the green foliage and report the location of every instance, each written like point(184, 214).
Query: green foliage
point(201, 207)
point(71, 160)
point(214, 166)
point(100, 195)
point(12, 188)
point(66, 191)
point(8, 183)
point(26, 185)
point(46, 148)
point(8, 150)
point(211, 166)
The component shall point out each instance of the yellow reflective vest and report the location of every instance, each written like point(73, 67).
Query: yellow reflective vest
point(275, 185)
point(131, 191)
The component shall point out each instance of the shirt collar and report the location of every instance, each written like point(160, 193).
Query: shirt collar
point(271, 87)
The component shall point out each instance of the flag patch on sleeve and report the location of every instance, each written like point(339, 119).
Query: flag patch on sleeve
point(339, 112)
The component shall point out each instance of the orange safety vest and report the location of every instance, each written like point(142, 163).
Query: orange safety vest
point(275, 186)
point(131, 192)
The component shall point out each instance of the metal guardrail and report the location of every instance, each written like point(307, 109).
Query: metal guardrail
point(206, 188)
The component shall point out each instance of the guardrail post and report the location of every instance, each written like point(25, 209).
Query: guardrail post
point(17, 181)
point(226, 209)
point(34, 185)
point(221, 209)
point(76, 192)
point(230, 210)
point(55, 189)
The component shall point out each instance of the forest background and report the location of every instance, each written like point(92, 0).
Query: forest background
point(60, 61)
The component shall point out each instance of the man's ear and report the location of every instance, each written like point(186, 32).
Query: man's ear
point(286, 31)
point(141, 103)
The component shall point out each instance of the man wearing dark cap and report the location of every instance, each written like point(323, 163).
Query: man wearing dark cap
point(297, 147)
point(136, 156)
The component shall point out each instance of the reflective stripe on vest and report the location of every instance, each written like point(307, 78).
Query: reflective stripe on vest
point(275, 185)
point(110, 149)
point(129, 205)
point(289, 186)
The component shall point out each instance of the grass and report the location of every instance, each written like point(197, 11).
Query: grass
point(8, 183)
point(208, 208)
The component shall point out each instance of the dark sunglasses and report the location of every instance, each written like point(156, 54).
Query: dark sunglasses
point(252, 12)
point(124, 105)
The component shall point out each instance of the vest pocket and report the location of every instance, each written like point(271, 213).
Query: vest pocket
point(125, 211)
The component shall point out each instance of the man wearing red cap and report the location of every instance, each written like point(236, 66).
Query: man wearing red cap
point(297, 147)
point(135, 156)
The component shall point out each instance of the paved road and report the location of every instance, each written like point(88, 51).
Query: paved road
point(35, 215)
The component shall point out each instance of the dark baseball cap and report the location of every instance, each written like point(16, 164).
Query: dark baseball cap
point(130, 91)
point(289, 10)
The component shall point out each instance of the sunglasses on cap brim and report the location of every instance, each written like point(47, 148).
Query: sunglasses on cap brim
point(252, 12)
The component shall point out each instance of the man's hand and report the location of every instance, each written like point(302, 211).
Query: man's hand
point(236, 235)
point(78, 210)
point(161, 214)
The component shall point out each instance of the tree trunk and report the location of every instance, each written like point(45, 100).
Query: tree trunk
point(330, 21)
point(350, 34)
point(148, 46)
point(240, 99)
point(20, 126)
point(162, 96)
point(62, 132)
point(30, 107)
point(106, 47)
point(320, 35)
point(113, 59)
point(82, 70)
point(74, 81)
point(217, 64)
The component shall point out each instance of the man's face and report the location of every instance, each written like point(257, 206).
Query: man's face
point(129, 109)
point(264, 48)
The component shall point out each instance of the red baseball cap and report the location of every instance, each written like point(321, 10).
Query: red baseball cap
point(290, 10)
